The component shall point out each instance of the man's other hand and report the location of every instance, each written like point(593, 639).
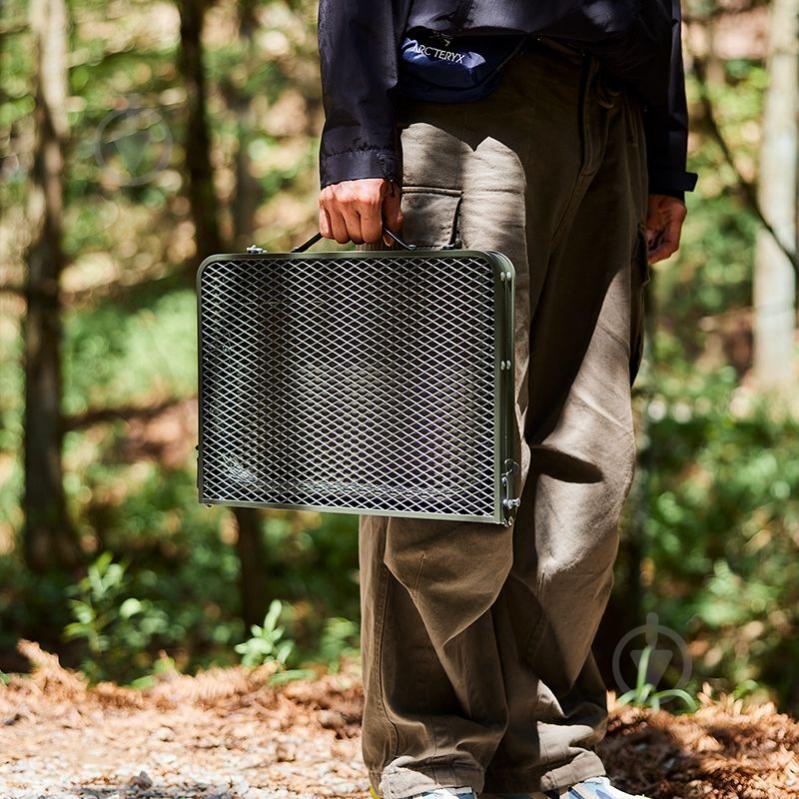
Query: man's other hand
point(663, 226)
point(354, 210)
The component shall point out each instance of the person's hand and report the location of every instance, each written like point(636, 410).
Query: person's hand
point(354, 210)
point(664, 220)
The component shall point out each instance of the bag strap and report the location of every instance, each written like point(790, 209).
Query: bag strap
point(390, 233)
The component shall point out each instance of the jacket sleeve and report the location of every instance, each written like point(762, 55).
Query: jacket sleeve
point(358, 47)
point(667, 128)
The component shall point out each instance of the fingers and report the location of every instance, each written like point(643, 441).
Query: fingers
point(351, 214)
point(325, 228)
point(391, 207)
point(331, 223)
point(353, 210)
point(669, 241)
point(664, 227)
point(664, 245)
point(391, 210)
point(661, 253)
point(653, 235)
point(372, 218)
point(338, 225)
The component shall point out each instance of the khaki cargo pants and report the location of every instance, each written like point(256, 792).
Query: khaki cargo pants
point(477, 638)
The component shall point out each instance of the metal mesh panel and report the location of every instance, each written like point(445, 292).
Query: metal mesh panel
point(364, 384)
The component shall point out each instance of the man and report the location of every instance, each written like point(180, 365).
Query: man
point(478, 672)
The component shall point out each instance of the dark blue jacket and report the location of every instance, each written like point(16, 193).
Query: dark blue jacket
point(638, 40)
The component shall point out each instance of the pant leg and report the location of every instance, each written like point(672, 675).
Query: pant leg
point(435, 700)
point(451, 688)
point(585, 340)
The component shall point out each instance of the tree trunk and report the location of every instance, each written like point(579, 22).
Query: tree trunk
point(774, 280)
point(252, 575)
point(202, 199)
point(248, 193)
point(49, 538)
point(245, 204)
point(198, 140)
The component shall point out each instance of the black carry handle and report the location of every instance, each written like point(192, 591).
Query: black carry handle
point(390, 233)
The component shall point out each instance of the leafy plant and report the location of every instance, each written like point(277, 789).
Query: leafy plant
point(163, 666)
point(746, 688)
point(645, 694)
point(113, 626)
point(266, 645)
point(339, 640)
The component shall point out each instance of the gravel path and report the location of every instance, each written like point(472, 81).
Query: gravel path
point(222, 735)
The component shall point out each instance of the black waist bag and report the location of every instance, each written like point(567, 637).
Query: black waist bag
point(370, 382)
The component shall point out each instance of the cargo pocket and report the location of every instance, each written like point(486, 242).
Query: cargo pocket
point(640, 276)
point(430, 216)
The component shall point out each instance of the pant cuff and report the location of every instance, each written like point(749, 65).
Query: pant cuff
point(545, 777)
point(400, 783)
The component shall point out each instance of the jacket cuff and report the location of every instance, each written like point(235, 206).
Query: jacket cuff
point(368, 162)
point(674, 184)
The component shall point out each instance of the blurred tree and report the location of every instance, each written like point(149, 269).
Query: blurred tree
point(49, 539)
point(198, 138)
point(249, 538)
point(248, 193)
point(774, 282)
point(208, 238)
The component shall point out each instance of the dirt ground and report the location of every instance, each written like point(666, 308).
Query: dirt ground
point(227, 734)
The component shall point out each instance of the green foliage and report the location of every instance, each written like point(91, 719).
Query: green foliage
point(746, 688)
point(113, 624)
point(719, 466)
point(150, 351)
point(266, 644)
point(164, 665)
point(31, 603)
point(722, 530)
point(339, 640)
point(645, 694)
point(129, 332)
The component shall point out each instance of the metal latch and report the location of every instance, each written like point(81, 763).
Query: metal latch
point(510, 503)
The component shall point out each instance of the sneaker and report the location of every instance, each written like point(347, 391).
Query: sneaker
point(593, 788)
point(438, 793)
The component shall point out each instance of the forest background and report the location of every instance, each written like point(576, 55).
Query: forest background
point(136, 137)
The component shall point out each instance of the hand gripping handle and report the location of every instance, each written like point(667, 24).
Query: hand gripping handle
point(390, 233)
